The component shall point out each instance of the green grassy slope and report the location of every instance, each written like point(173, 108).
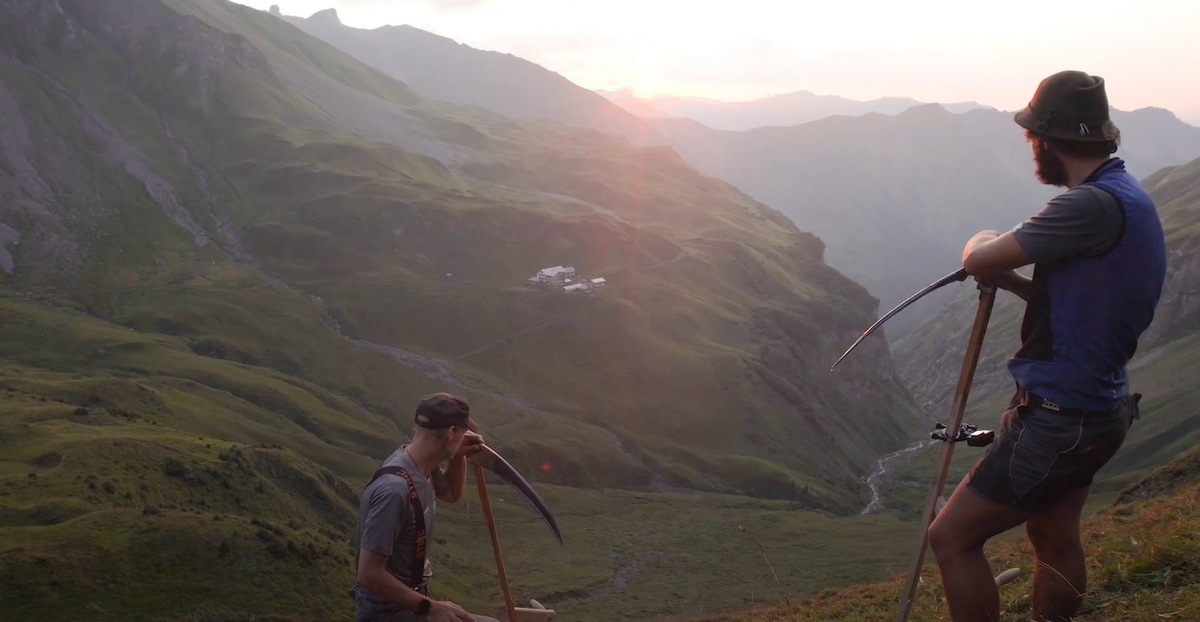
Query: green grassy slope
point(216, 212)
point(718, 305)
point(1176, 193)
point(1142, 556)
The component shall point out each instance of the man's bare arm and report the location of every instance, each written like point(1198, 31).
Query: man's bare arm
point(455, 479)
point(991, 257)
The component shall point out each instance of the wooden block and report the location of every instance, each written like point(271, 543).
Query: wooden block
point(1007, 576)
point(525, 614)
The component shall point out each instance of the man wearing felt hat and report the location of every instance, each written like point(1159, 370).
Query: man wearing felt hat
point(1099, 262)
point(397, 510)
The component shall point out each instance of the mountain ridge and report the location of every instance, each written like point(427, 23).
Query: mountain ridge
point(441, 68)
point(781, 110)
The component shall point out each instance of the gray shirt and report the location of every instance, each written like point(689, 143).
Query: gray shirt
point(386, 526)
point(1084, 221)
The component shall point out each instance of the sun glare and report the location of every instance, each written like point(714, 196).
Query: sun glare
point(646, 89)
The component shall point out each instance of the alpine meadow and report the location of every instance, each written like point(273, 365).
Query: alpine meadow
point(237, 247)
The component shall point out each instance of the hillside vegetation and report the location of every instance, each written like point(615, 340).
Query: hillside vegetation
point(232, 258)
point(1142, 553)
point(273, 202)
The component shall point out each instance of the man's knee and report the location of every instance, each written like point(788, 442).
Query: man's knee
point(1051, 536)
point(944, 538)
point(1039, 532)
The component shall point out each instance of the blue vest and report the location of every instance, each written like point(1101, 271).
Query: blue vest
point(1085, 314)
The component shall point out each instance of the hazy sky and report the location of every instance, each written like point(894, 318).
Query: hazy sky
point(931, 50)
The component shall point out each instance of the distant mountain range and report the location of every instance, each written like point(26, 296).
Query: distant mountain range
point(776, 110)
point(892, 186)
point(895, 197)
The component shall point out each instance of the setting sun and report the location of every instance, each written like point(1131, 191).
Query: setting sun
point(647, 88)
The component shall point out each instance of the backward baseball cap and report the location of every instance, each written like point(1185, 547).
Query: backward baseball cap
point(444, 410)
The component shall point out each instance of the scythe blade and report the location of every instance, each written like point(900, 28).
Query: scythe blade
point(953, 277)
point(492, 461)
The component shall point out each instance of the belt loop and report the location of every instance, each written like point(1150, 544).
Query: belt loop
point(1021, 397)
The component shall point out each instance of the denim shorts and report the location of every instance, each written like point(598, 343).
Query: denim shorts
point(1040, 455)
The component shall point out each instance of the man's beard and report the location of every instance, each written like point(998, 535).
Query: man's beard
point(1050, 169)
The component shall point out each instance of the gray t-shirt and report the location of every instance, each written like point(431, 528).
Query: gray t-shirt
point(1084, 221)
point(386, 526)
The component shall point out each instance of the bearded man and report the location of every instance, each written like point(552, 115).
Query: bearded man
point(1099, 263)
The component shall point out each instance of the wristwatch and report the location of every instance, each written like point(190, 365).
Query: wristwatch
point(424, 607)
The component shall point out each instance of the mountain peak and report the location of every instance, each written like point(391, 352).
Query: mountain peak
point(327, 16)
point(925, 111)
point(274, 10)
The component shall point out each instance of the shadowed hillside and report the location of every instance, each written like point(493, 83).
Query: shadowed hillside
point(895, 198)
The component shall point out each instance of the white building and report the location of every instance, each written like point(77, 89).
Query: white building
point(598, 282)
point(577, 287)
point(555, 276)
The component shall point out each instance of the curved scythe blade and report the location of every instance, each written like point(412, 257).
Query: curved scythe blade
point(953, 277)
point(492, 461)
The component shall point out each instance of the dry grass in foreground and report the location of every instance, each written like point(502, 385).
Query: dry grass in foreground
point(1143, 565)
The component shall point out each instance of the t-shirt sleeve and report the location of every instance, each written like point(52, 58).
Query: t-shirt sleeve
point(1082, 222)
point(387, 510)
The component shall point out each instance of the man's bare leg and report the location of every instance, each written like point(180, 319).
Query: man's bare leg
point(1060, 575)
point(957, 537)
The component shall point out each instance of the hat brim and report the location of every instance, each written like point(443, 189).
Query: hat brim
point(1026, 119)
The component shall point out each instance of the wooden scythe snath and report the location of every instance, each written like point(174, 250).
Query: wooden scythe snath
point(491, 523)
point(489, 459)
point(987, 296)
